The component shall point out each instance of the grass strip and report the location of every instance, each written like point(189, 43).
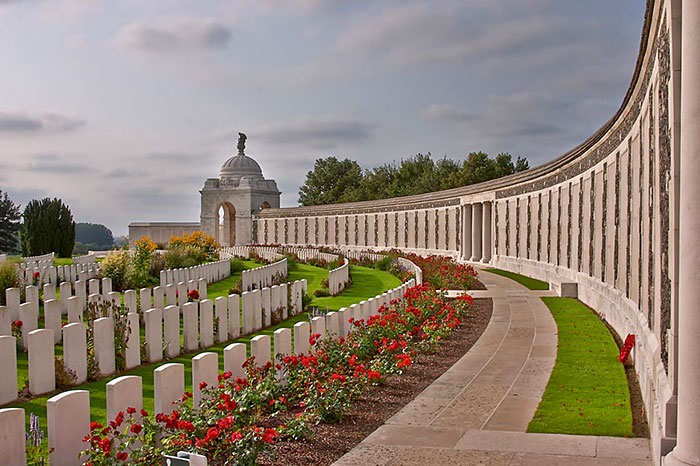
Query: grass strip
point(587, 393)
point(527, 282)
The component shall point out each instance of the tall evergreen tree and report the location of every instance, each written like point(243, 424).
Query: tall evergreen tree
point(9, 224)
point(48, 227)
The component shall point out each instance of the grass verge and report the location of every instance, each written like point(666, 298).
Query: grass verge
point(587, 393)
point(527, 282)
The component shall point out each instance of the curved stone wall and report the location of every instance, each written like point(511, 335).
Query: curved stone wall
point(604, 215)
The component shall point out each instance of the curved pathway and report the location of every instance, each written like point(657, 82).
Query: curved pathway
point(477, 412)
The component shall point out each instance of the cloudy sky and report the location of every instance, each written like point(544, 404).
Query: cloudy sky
point(124, 108)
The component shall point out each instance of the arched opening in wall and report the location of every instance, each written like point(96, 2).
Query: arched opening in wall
point(265, 205)
point(226, 224)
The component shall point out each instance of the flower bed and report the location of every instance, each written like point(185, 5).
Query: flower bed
point(240, 418)
point(443, 272)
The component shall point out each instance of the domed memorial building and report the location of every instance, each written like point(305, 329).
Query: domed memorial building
point(228, 202)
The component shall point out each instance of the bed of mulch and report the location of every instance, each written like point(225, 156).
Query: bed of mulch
point(331, 441)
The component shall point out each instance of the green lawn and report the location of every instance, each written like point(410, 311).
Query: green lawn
point(63, 261)
point(527, 282)
point(367, 283)
point(587, 392)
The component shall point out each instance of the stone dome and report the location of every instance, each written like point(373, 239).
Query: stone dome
point(240, 165)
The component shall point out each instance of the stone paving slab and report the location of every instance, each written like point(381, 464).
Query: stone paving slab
point(477, 412)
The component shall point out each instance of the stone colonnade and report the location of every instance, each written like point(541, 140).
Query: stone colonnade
point(615, 216)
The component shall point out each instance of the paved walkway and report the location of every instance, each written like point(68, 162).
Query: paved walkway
point(477, 412)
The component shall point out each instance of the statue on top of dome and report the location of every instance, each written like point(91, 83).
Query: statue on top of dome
point(241, 143)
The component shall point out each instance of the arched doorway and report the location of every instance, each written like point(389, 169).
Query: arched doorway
point(264, 205)
point(226, 224)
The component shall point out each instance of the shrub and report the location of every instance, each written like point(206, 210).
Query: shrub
point(157, 264)
point(321, 293)
point(383, 264)
point(198, 240)
point(139, 271)
point(65, 377)
point(116, 267)
point(237, 266)
point(292, 264)
point(9, 278)
point(184, 256)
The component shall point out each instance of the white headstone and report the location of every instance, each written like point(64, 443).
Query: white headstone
point(302, 332)
point(42, 378)
point(171, 329)
point(154, 334)
point(260, 349)
point(52, 318)
point(159, 297)
point(234, 357)
point(8, 369)
point(12, 301)
point(68, 421)
point(220, 317)
point(104, 345)
point(206, 323)
point(75, 309)
point(133, 344)
point(122, 393)
point(12, 439)
point(234, 316)
point(106, 286)
point(75, 350)
point(168, 386)
point(29, 316)
point(205, 368)
point(190, 327)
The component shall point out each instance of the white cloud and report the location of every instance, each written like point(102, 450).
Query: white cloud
point(446, 112)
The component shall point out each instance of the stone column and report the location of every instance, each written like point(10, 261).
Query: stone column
point(486, 233)
point(476, 232)
point(466, 232)
point(687, 450)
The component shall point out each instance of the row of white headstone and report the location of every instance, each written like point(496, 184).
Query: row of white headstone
point(310, 253)
point(86, 259)
point(260, 277)
point(41, 258)
point(211, 272)
point(338, 277)
point(56, 274)
point(68, 414)
point(269, 253)
point(235, 315)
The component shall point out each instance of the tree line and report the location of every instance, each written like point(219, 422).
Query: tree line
point(334, 181)
point(46, 226)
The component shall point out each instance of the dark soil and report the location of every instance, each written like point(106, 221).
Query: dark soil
point(331, 441)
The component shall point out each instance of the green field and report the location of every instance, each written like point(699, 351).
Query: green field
point(527, 282)
point(587, 392)
point(366, 283)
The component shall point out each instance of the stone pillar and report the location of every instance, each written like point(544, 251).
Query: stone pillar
point(476, 232)
point(687, 450)
point(68, 421)
point(486, 233)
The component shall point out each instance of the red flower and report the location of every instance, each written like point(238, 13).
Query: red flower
point(121, 456)
point(193, 294)
point(130, 410)
point(136, 428)
point(202, 385)
point(36, 275)
point(144, 412)
point(95, 426)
